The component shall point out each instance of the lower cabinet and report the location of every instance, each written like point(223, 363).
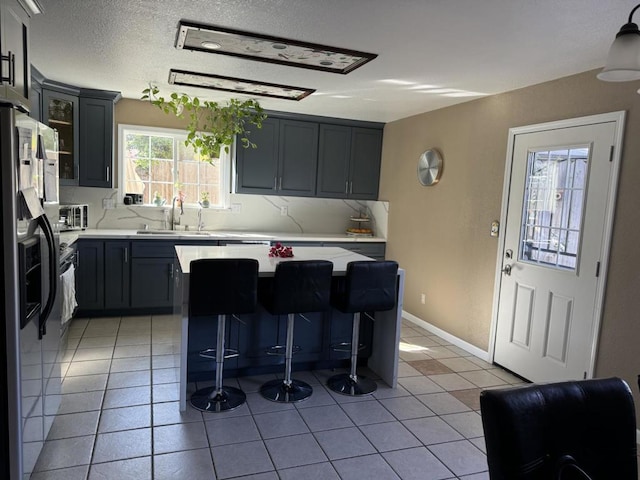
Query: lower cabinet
point(126, 277)
point(103, 276)
point(90, 276)
point(137, 276)
point(152, 282)
point(117, 274)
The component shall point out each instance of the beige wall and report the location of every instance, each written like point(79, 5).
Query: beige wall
point(440, 234)
point(138, 112)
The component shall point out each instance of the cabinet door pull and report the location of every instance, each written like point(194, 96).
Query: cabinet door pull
point(350, 188)
point(126, 255)
point(275, 183)
point(346, 187)
point(171, 271)
point(12, 70)
point(10, 58)
point(108, 174)
point(280, 184)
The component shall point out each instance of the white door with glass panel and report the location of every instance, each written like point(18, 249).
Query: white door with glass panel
point(558, 219)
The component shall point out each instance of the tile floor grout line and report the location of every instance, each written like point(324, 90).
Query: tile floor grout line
point(104, 395)
point(343, 407)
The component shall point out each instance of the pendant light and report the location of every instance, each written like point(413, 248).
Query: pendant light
point(623, 61)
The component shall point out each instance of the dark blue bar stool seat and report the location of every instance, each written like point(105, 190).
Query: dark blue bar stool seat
point(368, 287)
point(298, 287)
point(221, 287)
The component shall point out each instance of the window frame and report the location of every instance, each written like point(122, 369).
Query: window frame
point(178, 136)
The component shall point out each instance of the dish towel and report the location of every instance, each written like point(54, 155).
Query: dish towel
point(69, 304)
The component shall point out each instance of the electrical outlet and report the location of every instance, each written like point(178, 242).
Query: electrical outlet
point(236, 207)
point(108, 203)
point(423, 298)
point(284, 210)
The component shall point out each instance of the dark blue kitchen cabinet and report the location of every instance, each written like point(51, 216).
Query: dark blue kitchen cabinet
point(60, 110)
point(349, 162)
point(259, 333)
point(364, 169)
point(311, 156)
point(152, 282)
point(257, 167)
point(96, 142)
point(127, 277)
point(334, 157)
point(90, 275)
point(117, 274)
point(152, 274)
point(297, 158)
point(85, 124)
point(284, 162)
point(36, 95)
point(14, 43)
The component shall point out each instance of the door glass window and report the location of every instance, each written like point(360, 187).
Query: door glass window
point(553, 207)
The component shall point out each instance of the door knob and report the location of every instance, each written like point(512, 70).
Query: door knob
point(507, 270)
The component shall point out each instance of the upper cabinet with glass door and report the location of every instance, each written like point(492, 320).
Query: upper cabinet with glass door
point(60, 111)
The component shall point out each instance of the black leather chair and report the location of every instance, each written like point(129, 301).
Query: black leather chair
point(298, 286)
point(221, 287)
point(367, 287)
point(561, 431)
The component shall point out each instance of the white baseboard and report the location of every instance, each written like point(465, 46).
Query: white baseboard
point(466, 346)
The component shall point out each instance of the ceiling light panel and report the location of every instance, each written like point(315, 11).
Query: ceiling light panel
point(263, 48)
point(237, 85)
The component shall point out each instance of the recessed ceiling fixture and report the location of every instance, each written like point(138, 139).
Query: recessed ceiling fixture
point(264, 48)
point(237, 85)
point(623, 60)
point(32, 7)
point(211, 45)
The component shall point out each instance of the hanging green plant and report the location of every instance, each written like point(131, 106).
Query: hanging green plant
point(212, 126)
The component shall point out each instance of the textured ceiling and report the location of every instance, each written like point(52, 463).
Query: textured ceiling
point(479, 46)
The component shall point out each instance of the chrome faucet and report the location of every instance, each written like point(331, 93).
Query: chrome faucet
point(175, 221)
point(200, 223)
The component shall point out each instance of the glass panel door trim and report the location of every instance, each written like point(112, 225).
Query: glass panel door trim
point(553, 207)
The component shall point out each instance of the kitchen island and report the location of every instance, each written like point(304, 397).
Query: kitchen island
point(320, 331)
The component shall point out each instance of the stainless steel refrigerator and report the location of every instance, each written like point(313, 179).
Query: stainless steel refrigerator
point(30, 369)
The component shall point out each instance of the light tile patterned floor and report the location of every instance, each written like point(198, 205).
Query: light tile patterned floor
point(119, 417)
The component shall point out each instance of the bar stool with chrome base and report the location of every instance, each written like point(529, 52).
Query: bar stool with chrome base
point(368, 287)
point(221, 287)
point(298, 287)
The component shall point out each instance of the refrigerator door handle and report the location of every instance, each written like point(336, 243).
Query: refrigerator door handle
point(53, 276)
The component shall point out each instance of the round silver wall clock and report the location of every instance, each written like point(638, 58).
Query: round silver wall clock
point(429, 167)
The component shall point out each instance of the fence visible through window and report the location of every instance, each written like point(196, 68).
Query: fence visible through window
point(555, 193)
point(158, 165)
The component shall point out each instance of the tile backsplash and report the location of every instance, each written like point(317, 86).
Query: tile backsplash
point(256, 213)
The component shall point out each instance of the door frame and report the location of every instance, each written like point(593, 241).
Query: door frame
point(616, 156)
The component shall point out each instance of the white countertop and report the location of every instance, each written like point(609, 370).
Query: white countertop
point(70, 237)
point(267, 265)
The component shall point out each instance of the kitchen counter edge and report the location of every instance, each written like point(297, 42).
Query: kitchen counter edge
point(103, 234)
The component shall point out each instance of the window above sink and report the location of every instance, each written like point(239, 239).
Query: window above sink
point(155, 163)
